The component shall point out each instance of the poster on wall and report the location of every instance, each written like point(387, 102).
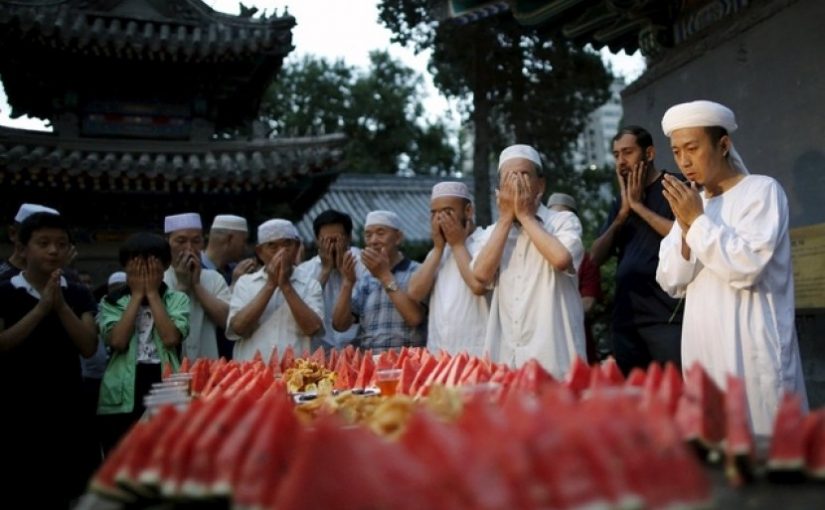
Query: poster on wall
point(808, 255)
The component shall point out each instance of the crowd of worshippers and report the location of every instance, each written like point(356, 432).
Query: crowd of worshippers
point(703, 274)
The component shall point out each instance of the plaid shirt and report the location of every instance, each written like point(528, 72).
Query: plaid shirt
point(381, 326)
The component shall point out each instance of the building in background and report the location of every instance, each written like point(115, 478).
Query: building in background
point(594, 148)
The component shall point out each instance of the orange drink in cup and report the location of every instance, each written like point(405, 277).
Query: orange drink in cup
point(387, 380)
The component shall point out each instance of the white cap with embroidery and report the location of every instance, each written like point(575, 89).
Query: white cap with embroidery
point(183, 221)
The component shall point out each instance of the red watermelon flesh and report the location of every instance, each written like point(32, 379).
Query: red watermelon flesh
point(141, 439)
point(636, 378)
point(288, 359)
point(151, 474)
point(318, 356)
point(332, 360)
point(456, 368)
point(103, 481)
point(739, 445)
point(670, 388)
point(611, 372)
point(578, 378)
point(365, 373)
point(360, 471)
point(233, 450)
point(201, 473)
point(409, 369)
point(177, 465)
point(275, 362)
point(787, 450)
point(700, 414)
point(268, 459)
point(428, 364)
point(815, 444)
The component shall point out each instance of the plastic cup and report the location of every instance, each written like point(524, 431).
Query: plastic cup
point(387, 380)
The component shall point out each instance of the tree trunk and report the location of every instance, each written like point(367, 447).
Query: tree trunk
point(481, 149)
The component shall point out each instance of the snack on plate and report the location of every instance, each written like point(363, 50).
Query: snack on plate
point(309, 376)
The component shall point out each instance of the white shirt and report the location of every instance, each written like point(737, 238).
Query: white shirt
point(277, 326)
point(146, 350)
point(536, 310)
point(19, 281)
point(738, 283)
point(202, 341)
point(329, 337)
point(457, 318)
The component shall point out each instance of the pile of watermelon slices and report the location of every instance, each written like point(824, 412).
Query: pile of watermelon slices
point(594, 439)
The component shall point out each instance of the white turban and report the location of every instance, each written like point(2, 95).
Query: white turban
point(183, 221)
point(704, 114)
point(230, 222)
point(117, 277)
point(562, 199)
point(385, 218)
point(519, 151)
point(27, 210)
point(275, 230)
point(450, 189)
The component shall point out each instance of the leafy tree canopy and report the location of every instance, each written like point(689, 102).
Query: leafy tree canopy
point(379, 109)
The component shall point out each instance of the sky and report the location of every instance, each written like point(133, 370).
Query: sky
point(349, 30)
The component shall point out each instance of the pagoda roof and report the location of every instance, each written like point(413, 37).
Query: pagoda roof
point(358, 194)
point(176, 30)
point(36, 159)
point(619, 25)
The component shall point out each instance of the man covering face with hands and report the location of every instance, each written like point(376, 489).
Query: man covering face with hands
point(529, 258)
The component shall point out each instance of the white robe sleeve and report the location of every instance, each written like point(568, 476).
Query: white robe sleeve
point(738, 252)
point(674, 273)
point(568, 231)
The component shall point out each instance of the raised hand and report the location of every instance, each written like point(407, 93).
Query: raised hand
point(505, 198)
point(635, 184)
point(326, 251)
point(525, 202)
point(454, 232)
point(183, 270)
point(273, 268)
point(624, 207)
point(153, 275)
point(684, 200)
point(243, 267)
point(347, 266)
point(285, 270)
point(134, 278)
point(435, 231)
point(376, 262)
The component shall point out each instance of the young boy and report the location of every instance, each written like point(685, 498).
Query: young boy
point(45, 324)
point(143, 323)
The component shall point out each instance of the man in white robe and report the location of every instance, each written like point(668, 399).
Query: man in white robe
point(530, 256)
point(729, 254)
point(458, 302)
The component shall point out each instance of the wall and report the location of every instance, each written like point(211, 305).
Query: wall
point(765, 63)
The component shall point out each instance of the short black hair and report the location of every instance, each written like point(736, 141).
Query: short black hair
point(39, 221)
point(145, 245)
point(332, 217)
point(643, 137)
point(715, 133)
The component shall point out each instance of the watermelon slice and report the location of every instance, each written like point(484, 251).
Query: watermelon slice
point(428, 364)
point(611, 372)
point(700, 413)
point(141, 440)
point(786, 458)
point(670, 388)
point(740, 451)
point(636, 378)
point(288, 359)
point(815, 444)
point(578, 378)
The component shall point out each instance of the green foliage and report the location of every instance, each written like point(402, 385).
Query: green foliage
point(518, 84)
point(379, 110)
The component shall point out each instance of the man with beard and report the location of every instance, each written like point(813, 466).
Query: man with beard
point(647, 323)
point(388, 318)
point(529, 259)
point(459, 308)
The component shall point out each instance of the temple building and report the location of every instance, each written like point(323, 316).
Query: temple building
point(154, 109)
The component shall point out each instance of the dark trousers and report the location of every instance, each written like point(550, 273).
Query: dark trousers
point(115, 426)
point(638, 347)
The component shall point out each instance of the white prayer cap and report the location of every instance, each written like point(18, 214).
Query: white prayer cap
point(274, 230)
point(704, 114)
point(230, 222)
point(385, 218)
point(519, 151)
point(450, 189)
point(562, 199)
point(117, 277)
point(27, 210)
point(182, 222)
point(698, 114)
